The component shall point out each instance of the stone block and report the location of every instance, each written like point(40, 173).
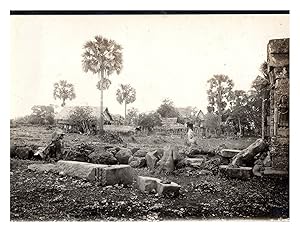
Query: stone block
point(271, 172)
point(105, 174)
point(88, 171)
point(116, 174)
point(194, 162)
point(152, 159)
point(123, 155)
point(278, 46)
point(42, 167)
point(243, 173)
point(278, 52)
point(140, 153)
point(229, 153)
point(137, 162)
point(167, 188)
point(147, 184)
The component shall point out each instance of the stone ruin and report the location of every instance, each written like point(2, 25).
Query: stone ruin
point(278, 121)
point(275, 122)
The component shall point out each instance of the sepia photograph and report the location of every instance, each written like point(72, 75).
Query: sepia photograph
point(149, 115)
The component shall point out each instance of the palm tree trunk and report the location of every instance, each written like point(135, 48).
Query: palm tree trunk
point(263, 118)
point(101, 103)
point(125, 110)
point(63, 103)
point(219, 101)
point(240, 126)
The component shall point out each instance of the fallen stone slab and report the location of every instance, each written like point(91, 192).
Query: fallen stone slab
point(87, 171)
point(147, 184)
point(229, 153)
point(105, 174)
point(243, 173)
point(42, 167)
point(274, 173)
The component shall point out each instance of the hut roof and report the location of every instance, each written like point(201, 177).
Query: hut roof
point(200, 115)
point(170, 123)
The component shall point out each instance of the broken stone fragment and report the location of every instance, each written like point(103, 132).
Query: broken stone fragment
point(102, 157)
point(170, 158)
point(229, 153)
point(117, 174)
point(147, 184)
point(123, 155)
point(152, 158)
point(151, 184)
point(140, 153)
point(269, 171)
point(137, 162)
point(39, 154)
point(134, 149)
point(194, 162)
point(167, 188)
point(24, 152)
point(244, 173)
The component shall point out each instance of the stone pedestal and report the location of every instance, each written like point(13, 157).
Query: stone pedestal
point(278, 68)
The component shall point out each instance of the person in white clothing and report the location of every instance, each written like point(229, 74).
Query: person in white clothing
point(190, 135)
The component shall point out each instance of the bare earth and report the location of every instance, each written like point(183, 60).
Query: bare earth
point(48, 197)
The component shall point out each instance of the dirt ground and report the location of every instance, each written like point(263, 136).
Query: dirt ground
point(50, 197)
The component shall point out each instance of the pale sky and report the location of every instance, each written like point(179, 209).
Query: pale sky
point(169, 56)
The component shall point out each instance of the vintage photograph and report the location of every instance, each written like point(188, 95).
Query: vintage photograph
point(149, 116)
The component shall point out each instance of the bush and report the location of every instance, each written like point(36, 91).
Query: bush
point(41, 115)
point(83, 120)
point(149, 121)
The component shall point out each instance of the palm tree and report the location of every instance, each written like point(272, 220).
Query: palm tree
point(103, 57)
point(63, 90)
point(126, 94)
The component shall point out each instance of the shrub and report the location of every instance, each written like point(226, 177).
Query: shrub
point(83, 120)
point(149, 121)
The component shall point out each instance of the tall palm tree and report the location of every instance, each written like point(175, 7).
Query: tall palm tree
point(126, 94)
point(102, 57)
point(63, 90)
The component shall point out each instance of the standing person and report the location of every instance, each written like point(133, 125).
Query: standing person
point(190, 135)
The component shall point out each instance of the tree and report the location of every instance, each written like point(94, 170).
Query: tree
point(260, 94)
point(149, 121)
point(42, 115)
point(83, 119)
point(167, 109)
point(211, 120)
point(126, 94)
point(63, 90)
point(102, 57)
point(132, 117)
point(238, 108)
point(220, 93)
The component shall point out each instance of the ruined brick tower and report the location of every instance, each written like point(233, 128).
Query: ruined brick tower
point(278, 121)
